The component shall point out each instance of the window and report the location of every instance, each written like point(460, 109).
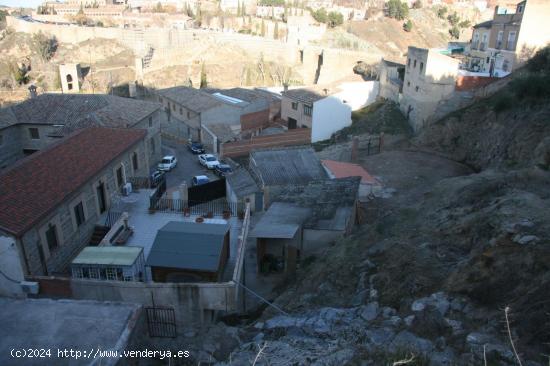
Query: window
point(511, 41)
point(69, 81)
point(487, 61)
point(152, 145)
point(160, 99)
point(409, 62)
point(499, 39)
point(295, 106)
point(135, 161)
point(34, 133)
point(51, 237)
point(174, 107)
point(417, 88)
point(188, 115)
point(119, 177)
point(181, 111)
point(408, 83)
point(307, 110)
point(520, 8)
point(151, 121)
point(421, 67)
point(1, 139)
point(414, 64)
point(483, 44)
point(79, 214)
point(111, 274)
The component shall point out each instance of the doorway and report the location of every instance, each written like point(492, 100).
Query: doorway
point(292, 123)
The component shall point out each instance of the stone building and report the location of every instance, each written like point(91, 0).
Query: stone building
point(478, 54)
point(391, 80)
point(51, 201)
point(430, 77)
point(34, 124)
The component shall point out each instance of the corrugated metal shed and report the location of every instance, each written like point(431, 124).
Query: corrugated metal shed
point(280, 221)
point(242, 183)
point(287, 166)
point(188, 245)
point(108, 256)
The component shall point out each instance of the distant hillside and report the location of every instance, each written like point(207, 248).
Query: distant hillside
point(387, 34)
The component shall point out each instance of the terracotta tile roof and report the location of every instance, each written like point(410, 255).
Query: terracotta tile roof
point(343, 170)
point(35, 185)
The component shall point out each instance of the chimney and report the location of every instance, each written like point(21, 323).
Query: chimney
point(32, 90)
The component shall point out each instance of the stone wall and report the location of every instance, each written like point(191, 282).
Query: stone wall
point(72, 238)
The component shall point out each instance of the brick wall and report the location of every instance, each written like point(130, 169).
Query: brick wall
point(465, 83)
point(298, 136)
point(255, 120)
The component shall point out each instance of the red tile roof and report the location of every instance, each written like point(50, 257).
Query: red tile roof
point(34, 186)
point(343, 170)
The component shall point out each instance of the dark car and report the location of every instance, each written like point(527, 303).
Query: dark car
point(222, 169)
point(195, 147)
point(156, 177)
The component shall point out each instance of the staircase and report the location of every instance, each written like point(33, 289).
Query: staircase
point(148, 57)
point(98, 235)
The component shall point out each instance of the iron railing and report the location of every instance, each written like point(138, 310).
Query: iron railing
point(112, 217)
point(212, 208)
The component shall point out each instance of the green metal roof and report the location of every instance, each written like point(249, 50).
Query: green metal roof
point(108, 256)
point(188, 245)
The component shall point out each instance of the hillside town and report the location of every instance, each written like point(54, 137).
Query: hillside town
point(271, 182)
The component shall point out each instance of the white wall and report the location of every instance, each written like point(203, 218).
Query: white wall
point(10, 265)
point(358, 94)
point(329, 116)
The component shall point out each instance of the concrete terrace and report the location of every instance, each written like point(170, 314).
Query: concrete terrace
point(146, 225)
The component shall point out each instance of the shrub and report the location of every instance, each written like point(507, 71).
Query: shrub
point(454, 32)
point(45, 46)
point(320, 15)
point(503, 102)
point(532, 86)
point(408, 26)
point(441, 12)
point(464, 24)
point(335, 19)
point(540, 62)
point(453, 19)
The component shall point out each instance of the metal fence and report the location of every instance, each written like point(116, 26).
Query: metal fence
point(206, 192)
point(211, 208)
point(161, 322)
point(112, 217)
point(139, 182)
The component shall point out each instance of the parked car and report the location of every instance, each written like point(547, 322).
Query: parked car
point(195, 147)
point(156, 178)
point(208, 160)
point(222, 169)
point(199, 179)
point(168, 163)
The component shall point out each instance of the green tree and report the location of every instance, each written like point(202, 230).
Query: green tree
point(441, 12)
point(408, 26)
point(276, 31)
point(243, 9)
point(454, 32)
point(320, 15)
point(262, 29)
point(335, 19)
point(204, 82)
point(239, 9)
point(398, 10)
point(453, 19)
point(285, 14)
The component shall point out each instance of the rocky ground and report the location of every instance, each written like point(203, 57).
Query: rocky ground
point(450, 267)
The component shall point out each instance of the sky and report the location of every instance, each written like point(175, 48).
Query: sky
point(22, 3)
